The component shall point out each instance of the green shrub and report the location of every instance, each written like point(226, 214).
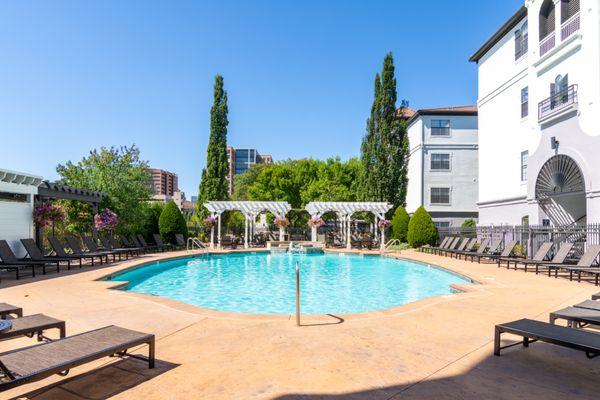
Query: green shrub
point(171, 222)
point(469, 223)
point(400, 224)
point(421, 230)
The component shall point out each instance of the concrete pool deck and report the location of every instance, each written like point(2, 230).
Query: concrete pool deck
point(431, 349)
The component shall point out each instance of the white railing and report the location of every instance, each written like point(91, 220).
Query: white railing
point(547, 44)
point(570, 26)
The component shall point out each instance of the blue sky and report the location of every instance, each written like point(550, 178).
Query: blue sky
point(76, 75)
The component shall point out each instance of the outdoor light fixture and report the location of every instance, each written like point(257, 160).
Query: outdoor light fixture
point(554, 143)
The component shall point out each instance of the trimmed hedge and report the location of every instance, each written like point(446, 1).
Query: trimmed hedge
point(171, 222)
point(400, 222)
point(421, 230)
point(469, 223)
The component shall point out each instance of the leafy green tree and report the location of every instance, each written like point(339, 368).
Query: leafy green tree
point(213, 185)
point(171, 222)
point(469, 223)
point(421, 230)
point(385, 148)
point(153, 212)
point(400, 224)
point(241, 182)
point(121, 174)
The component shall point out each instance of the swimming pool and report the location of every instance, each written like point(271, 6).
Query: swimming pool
point(263, 283)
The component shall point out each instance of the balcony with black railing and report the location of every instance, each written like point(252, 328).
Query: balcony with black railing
point(570, 26)
point(558, 103)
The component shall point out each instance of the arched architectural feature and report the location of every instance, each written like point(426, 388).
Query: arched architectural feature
point(521, 41)
point(560, 190)
point(344, 210)
point(547, 19)
point(250, 209)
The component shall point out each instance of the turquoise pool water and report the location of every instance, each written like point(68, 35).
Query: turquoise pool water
point(261, 283)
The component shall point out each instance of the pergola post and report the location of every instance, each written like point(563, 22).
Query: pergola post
point(375, 225)
point(212, 236)
point(219, 230)
point(348, 234)
point(246, 230)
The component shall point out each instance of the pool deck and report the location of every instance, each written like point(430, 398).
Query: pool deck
point(431, 349)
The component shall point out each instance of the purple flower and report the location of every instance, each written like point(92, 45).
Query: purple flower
point(107, 220)
point(316, 222)
point(281, 221)
point(384, 223)
point(209, 221)
point(48, 213)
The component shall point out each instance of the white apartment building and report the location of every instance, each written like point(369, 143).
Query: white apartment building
point(539, 116)
point(443, 163)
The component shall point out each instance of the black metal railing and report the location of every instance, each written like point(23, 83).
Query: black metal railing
point(557, 102)
point(531, 237)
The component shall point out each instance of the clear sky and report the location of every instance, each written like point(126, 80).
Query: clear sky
point(75, 75)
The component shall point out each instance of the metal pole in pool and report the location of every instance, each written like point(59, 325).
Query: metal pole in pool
point(298, 293)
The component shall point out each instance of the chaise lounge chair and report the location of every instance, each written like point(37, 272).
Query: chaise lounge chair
point(31, 325)
point(36, 254)
point(480, 250)
point(596, 296)
point(40, 361)
point(143, 243)
point(10, 260)
point(92, 247)
point(576, 317)
point(469, 248)
point(8, 310)
point(559, 258)
point(584, 266)
point(180, 239)
point(75, 246)
point(59, 250)
point(159, 242)
point(507, 252)
point(428, 248)
point(532, 331)
point(461, 247)
point(450, 244)
point(539, 256)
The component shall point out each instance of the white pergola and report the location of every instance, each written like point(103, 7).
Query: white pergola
point(344, 211)
point(250, 209)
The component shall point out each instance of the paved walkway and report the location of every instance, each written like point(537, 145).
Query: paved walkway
point(438, 348)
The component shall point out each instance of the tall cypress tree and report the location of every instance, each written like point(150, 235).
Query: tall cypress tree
point(385, 148)
point(213, 185)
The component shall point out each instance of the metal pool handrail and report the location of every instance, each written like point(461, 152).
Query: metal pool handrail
point(298, 293)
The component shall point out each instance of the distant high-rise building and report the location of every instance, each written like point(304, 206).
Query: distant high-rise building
point(242, 159)
point(166, 187)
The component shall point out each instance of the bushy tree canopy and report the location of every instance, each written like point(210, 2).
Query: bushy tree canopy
point(400, 224)
point(117, 171)
point(171, 222)
point(300, 181)
point(421, 230)
point(469, 223)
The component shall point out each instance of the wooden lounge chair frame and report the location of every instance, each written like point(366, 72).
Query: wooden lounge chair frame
point(533, 331)
point(62, 368)
point(539, 256)
point(480, 250)
point(35, 324)
point(7, 310)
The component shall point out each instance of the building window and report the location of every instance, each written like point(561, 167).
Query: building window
point(524, 102)
point(524, 161)
point(547, 19)
point(569, 9)
point(440, 162)
point(440, 195)
point(440, 127)
point(521, 41)
point(441, 224)
point(14, 197)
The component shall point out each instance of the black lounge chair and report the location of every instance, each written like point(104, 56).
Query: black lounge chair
point(450, 244)
point(132, 244)
point(539, 256)
point(36, 254)
point(59, 250)
point(559, 258)
point(483, 246)
point(469, 248)
point(491, 249)
point(115, 244)
point(507, 252)
point(576, 317)
point(159, 242)
point(429, 249)
point(107, 245)
point(227, 241)
point(92, 247)
point(584, 266)
point(75, 246)
point(8, 310)
point(142, 241)
point(31, 325)
point(461, 247)
point(180, 240)
point(532, 331)
point(10, 260)
point(34, 363)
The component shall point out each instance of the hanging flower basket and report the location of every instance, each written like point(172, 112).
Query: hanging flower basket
point(48, 214)
point(316, 222)
point(210, 221)
point(281, 222)
point(107, 220)
point(384, 223)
